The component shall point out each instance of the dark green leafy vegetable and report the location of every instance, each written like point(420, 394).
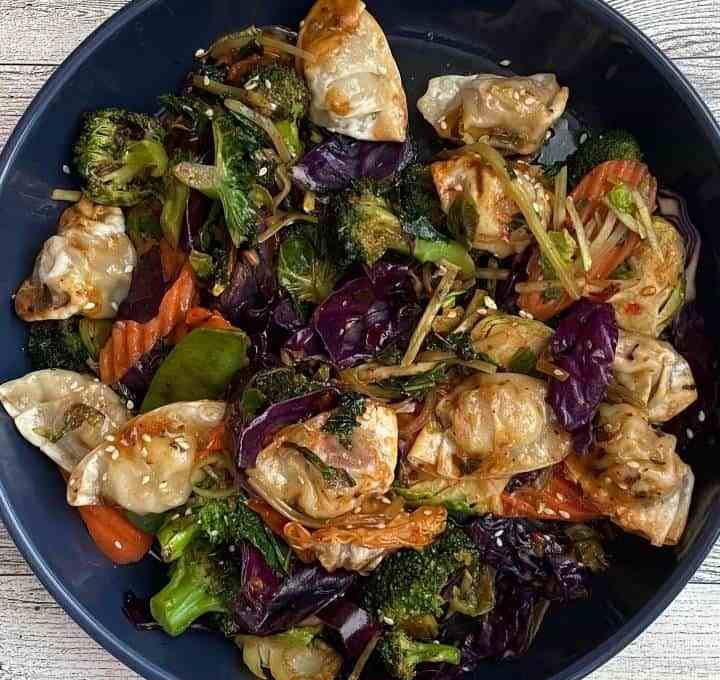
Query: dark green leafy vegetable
point(418, 204)
point(94, 333)
point(57, 344)
point(333, 476)
point(199, 367)
point(120, 155)
point(230, 180)
point(401, 654)
point(344, 419)
point(612, 145)
point(175, 200)
point(306, 268)
point(414, 386)
point(523, 361)
point(143, 222)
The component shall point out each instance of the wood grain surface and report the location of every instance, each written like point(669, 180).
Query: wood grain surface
point(38, 641)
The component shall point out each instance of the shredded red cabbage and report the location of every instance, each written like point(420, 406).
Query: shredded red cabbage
point(354, 625)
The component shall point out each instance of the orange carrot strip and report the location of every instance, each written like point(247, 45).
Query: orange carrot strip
point(115, 535)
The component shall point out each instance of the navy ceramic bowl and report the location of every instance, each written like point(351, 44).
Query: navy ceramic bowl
point(616, 76)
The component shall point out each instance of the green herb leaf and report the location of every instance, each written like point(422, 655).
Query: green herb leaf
point(344, 419)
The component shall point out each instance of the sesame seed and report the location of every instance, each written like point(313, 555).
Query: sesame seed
point(427, 513)
point(505, 63)
point(177, 516)
point(188, 512)
point(548, 511)
point(118, 545)
point(206, 80)
point(526, 315)
point(558, 373)
point(499, 533)
point(232, 548)
point(130, 404)
point(548, 134)
point(105, 477)
point(701, 416)
point(146, 479)
point(583, 138)
point(66, 169)
point(262, 171)
point(498, 542)
point(633, 464)
point(443, 125)
point(115, 305)
point(146, 438)
point(690, 434)
point(381, 525)
point(251, 84)
point(200, 53)
point(268, 84)
point(490, 303)
point(115, 455)
point(388, 620)
point(209, 113)
point(516, 96)
point(357, 510)
point(109, 438)
point(564, 515)
point(110, 449)
point(128, 269)
point(89, 305)
point(124, 442)
point(162, 486)
point(183, 444)
point(385, 500)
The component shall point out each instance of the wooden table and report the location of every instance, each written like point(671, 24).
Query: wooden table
point(38, 641)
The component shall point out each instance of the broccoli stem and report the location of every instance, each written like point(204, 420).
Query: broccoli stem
point(402, 655)
point(145, 155)
point(429, 652)
point(173, 211)
point(184, 600)
point(452, 251)
point(288, 130)
point(175, 536)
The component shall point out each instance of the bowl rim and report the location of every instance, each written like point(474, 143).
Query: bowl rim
point(580, 668)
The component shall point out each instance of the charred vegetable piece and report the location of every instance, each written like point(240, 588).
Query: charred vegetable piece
point(121, 156)
point(401, 654)
point(58, 344)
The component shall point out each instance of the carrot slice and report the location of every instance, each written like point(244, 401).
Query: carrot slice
point(129, 340)
point(559, 499)
point(115, 535)
point(588, 197)
point(199, 317)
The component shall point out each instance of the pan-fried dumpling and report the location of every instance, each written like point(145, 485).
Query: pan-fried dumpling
point(493, 426)
point(310, 471)
point(354, 81)
point(634, 476)
point(512, 114)
point(472, 196)
point(150, 467)
point(650, 305)
point(86, 269)
point(361, 548)
point(654, 374)
point(64, 414)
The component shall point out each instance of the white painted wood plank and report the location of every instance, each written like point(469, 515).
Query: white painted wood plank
point(38, 641)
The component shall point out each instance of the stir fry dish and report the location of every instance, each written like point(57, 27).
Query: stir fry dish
point(379, 408)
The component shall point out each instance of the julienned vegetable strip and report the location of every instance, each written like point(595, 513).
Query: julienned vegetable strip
point(517, 193)
point(580, 233)
point(431, 311)
point(265, 124)
point(646, 221)
point(561, 182)
point(628, 220)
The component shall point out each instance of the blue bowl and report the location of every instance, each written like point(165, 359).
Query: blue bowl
point(616, 76)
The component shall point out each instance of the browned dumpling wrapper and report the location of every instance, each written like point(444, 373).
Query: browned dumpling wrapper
point(512, 114)
point(353, 78)
point(634, 476)
point(86, 269)
point(492, 426)
point(472, 196)
point(290, 469)
point(150, 464)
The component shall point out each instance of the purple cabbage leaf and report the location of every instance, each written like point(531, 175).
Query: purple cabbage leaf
point(335, 163)
point(147, 288)
point(352, 623)
point(584, 347)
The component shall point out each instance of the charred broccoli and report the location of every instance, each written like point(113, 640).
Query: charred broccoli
point(277, 91)
point(613, 145)
point(58, 344)
point(232, 178)
point(417, 199)
point(222, 521)
point(121, 156)
point(401, 655)
point(406, 590)
point(369, 227)
point(202, 581)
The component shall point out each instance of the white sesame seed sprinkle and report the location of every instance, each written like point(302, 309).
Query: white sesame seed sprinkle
point(130, 404)
point(443, 125)
point(146, 479)
point(144, 452)
point(690, 434)
point(263, 171)
point(268, 84)
point(188, 512)
point(381, 525)
point(115, 305)
point(505, 63)
point(209, 113)
point(109, 438)
point(110, 449)
point(66, 169)
point(701, 416)
point(251, 84)
point(105, 477)
point(183, 444)
point(162, 486)
point(118, 545)
point(388, 620)
point(490, 303)
point(115, 455)
point(385, 500)
point(200, 53)
point(583, 138)
point(175, 516)
point(146, 438)
point(427, 513)
point(558, 373)
point(499, 533)
point(526, 315)
point(129, 269)
point(564, 514)
point(206, 80)
point(89, 305)
point(498, 542)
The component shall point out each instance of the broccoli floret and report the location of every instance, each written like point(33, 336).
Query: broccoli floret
point(121, 156)
point(202, 581)
point(406, 590)
point(613, 145)
point(58, 344)
point(222, 521)
point(418, 202)
point(401, 655)
point(277, 91)
point(231, 179)
point(368, 228)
